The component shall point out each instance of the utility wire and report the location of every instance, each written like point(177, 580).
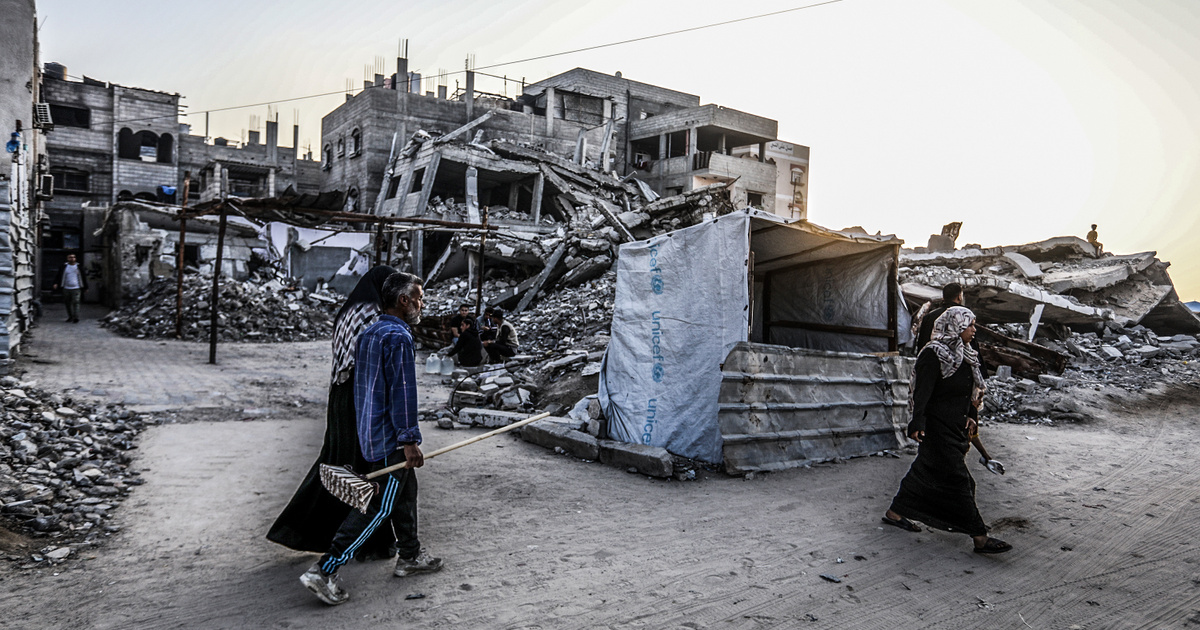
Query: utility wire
point(517, 61)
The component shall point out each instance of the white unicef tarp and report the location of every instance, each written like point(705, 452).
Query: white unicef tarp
point(681, 304)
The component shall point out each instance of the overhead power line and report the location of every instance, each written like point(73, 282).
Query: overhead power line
point(526, 60)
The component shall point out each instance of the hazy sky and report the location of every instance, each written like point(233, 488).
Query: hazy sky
point(1023, 119)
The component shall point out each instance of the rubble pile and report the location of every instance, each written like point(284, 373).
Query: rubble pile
point(1107, 321)
point(255, 310)
point(63, 465)
point(1061, 277)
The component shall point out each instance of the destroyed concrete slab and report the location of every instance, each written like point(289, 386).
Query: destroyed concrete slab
point(1097, 274)
point(1027, 267)
point(490, 418)
point(555, 434)
point(646, 459)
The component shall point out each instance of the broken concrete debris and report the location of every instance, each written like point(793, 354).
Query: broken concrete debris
point(64, 467)
point(260, 309)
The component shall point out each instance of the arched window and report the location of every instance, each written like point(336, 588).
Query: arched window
point(355, 142)
point(328, 152)
point(127, 144)
point(146, 196)
point(341, 147)
point(166, 148)
point(124, 195)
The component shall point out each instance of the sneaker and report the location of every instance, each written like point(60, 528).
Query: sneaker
point(325, 587)
point(423, 563)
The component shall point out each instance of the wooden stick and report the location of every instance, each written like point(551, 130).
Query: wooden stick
point(447, 449)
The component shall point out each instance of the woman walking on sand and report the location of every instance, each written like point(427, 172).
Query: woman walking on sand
point(313, 516)
point(938, 489)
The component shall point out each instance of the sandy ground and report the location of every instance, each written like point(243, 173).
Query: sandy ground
point(1103, 517)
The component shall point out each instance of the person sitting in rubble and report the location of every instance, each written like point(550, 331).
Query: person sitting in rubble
point(466, 343)
point(485, 325)
point(1094, 239)
point(504, 343)
point(464, 313)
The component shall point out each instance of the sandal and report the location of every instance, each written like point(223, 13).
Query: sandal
point(902, 523)
point(994, 545)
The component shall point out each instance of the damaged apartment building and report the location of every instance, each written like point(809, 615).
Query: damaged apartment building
point(663, 138)
point(113, 144)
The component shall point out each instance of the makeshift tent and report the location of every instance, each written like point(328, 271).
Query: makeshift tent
point(689, 301)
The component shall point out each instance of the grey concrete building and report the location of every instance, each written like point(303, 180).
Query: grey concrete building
point(673, 142)
point(115, 143)
point(24, 120)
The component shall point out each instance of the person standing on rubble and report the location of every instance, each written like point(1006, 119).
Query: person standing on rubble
point(385, 395)
point(73, 283)
point(505, 342)
point(938, 489)
point(313, 516)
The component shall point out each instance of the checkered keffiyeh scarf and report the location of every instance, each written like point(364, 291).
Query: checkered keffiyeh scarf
point(345, 337)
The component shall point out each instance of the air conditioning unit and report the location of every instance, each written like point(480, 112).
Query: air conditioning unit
point(45, 191)
point(41, 117)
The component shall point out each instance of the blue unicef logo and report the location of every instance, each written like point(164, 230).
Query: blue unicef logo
point(657, 372)
point(656, 284)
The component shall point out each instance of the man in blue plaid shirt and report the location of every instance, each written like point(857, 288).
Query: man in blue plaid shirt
point(385, 397)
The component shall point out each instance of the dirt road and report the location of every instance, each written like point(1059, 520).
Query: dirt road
point(1103, 517)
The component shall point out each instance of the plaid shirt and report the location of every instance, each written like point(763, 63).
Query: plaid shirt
point(345, 337)
point(385, 388)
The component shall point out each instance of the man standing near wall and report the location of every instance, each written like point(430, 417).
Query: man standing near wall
point(385, 398)
point(73, 284)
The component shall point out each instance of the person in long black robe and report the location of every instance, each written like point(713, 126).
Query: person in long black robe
point(938, 489)
point(313, 516)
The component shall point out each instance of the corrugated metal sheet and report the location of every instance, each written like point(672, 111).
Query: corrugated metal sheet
point(785, 407)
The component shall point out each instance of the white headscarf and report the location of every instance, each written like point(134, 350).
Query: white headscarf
point(947, 343)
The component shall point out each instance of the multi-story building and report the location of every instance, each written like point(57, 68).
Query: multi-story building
point(115, 143)
point(674, 143)
point(23, 122)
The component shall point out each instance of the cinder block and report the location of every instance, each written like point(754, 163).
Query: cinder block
point(648, 460)
point(551, 434)
point(490, 418)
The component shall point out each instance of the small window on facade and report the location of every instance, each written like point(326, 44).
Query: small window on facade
point(797, 175)
point(754, 199)
point(68, 116)
point(341, 146)
point(70, 181)
point(165, 149)
point(328, 151)
point(147, 146)
point(355, 142)
point(128, 145)
point(352, 200)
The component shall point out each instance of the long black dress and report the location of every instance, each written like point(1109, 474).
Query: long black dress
point(313, 516)
point(938, 489)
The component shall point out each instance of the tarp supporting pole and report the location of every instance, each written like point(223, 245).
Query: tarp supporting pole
point(213, 299)
point(893, 284)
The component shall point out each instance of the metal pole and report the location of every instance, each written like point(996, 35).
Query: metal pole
point(187, 185)
point(213, 301)
point(893, 301)
point(482, 246)
point(379, 244)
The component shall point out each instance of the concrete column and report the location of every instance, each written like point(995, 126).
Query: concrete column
point(514, 195)
point(295, 144)
point(692, 135)
point(472, 190)
point(539, 184)
point(721, 145)
point(470, 96)
point(662, 147)
point(762, 151)
point(549, 111)
point(271, 183)
point(272, 142)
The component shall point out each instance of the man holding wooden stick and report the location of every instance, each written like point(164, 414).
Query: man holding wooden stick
point(385, 396)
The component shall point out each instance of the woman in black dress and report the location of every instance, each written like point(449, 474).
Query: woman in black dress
point(938, 489)
point(313, 516)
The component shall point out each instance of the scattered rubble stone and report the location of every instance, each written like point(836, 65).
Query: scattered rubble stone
point(254, 310)
point(64, 466)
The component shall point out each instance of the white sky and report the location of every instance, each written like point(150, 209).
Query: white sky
point(1024, 119)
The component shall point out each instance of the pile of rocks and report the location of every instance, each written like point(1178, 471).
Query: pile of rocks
point(1131, 359)
point(63, 466)
point(255, 310)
